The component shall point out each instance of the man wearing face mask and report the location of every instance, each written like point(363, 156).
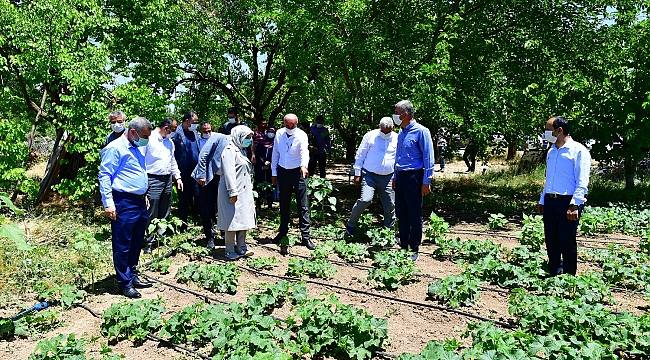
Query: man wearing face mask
point(414, 164)
point(322, 147)
point(161, 168)
point(123, 184)
point(116, 120)
point(205, 131)
point(373, 170)
point(289, 171)
point(563, 197)
point(233, 120)
point(186, 152)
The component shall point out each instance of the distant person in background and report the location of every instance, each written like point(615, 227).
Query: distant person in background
point(469, 155)
point(264, 156)
point(123, 184)
point(186, 153)
point(289, 172)
point(236, 203)
point(321, 149)
point(414, 163)
point(162, 170)
point(441, 142)
point(117, 120)
point(563, 198)
point(373, 170)
point(233, 120)
point(205, 131)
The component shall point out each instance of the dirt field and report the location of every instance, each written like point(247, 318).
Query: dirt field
point(410, 326)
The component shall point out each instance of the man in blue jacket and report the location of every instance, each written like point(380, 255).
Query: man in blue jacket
point(186, 152)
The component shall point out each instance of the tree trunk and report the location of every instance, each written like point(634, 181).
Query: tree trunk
point(53, 164)
point(629, 166)
point(512, 152)
point(350, 148)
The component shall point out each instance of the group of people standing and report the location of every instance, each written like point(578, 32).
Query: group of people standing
point(140, 164)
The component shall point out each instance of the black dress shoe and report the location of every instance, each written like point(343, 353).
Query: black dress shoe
point(308, 244)
point(147, 248)
point(131, 292)
point(141, 284)
point(277, 238)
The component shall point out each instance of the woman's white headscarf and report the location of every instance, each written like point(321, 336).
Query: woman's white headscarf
point(238, 134)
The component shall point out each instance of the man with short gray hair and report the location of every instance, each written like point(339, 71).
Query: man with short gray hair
point(117, 121)
point(412, 179)
point(373, 170)
point(123, 184)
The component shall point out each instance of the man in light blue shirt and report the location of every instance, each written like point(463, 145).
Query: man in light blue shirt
point(123, 184)
point(562, 200)
point(414, 164)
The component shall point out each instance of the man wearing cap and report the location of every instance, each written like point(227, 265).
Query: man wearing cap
point(563, 197)
point(123, 184)
point(373, 170)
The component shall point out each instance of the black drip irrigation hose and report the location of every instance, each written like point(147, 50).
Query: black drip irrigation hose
point(404, 301)
point(497, 234)
point(366, 267)
point(152, 337)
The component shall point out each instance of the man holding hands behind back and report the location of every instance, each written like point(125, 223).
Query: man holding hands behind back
point(123, 184)
point(289, 171)
point(563, 197)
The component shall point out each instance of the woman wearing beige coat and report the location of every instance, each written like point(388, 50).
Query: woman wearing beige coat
point(235, 203)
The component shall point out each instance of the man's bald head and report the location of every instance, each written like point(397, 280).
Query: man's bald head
point(290, 121)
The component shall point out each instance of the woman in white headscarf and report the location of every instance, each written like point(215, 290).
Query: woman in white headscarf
point(236, 204)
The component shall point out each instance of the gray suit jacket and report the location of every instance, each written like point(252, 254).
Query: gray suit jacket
point(210, 157)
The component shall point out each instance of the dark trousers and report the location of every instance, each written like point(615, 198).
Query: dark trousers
point(469, 156)
point(408, 208)
point(560, 235)
point(208, 196)
point(290, 182)
point(160, 198)
point(188, 198)
point(321, 159)
point(127, 232)
point(265, 195)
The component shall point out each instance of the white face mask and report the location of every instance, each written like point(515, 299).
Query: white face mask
point(271, 135)
point(396, 119)
point(385, 136)
point(193, 127)
point(117, 127)
point(548, 134)
point(291, 131)
point(231, 120)
point(205, 136)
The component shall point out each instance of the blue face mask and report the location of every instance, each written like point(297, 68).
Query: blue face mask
point(246, 143)
point(319, 125)
point(141, 142)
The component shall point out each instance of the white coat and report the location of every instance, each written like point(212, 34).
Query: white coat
point(235, 180)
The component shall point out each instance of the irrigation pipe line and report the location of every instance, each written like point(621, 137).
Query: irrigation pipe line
point(367, 267)
point(404, 301)
point(497, 234)
point(152, 337)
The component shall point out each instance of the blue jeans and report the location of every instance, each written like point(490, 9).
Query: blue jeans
point(369, 183)
point(442, 150)
point(127, 232)
point(408, 208)
point(560, 235)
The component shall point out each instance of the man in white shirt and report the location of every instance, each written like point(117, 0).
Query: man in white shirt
point(161, 166)
point(562, 200)
point(289, 171)
point(373, 170)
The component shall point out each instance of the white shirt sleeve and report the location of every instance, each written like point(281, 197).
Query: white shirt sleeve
point(362, 151)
